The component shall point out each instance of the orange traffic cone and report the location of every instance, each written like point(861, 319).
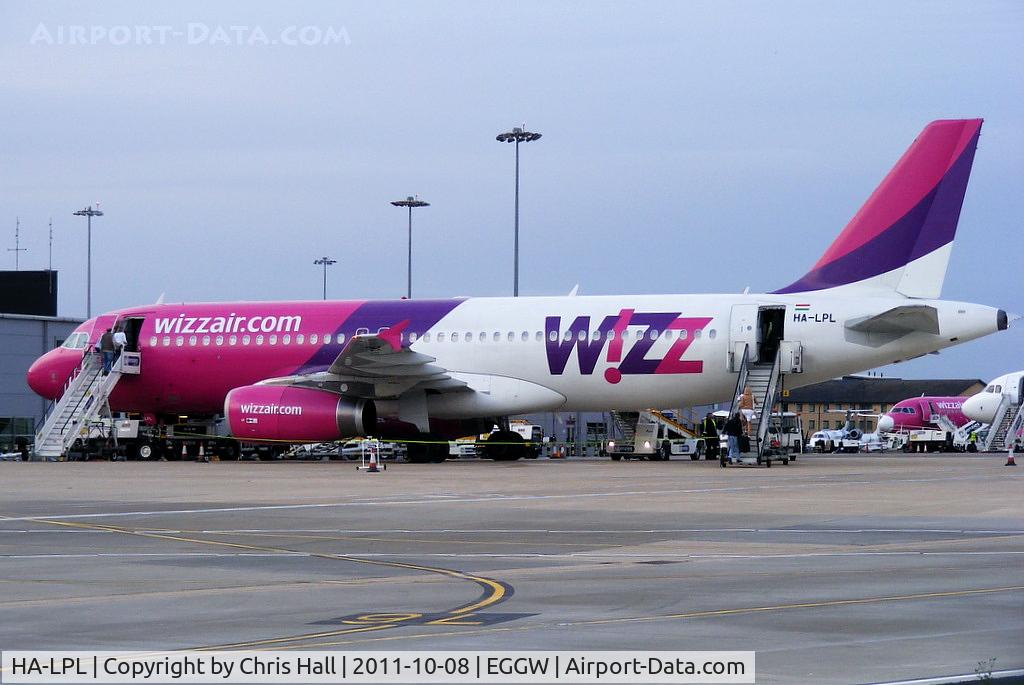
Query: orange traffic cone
point(184, 452)
point(202, 455)
point(372, 468)
point(1009, 459)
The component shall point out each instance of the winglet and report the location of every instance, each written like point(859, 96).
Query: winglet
point(393, 335)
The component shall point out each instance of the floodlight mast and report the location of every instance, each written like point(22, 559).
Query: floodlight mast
point(410, 202)
point(517, 135)
point(89, 213)
point(325, 261)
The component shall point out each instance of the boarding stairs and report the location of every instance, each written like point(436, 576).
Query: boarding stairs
point(1007, 422)
point(83, 401)
point(639, 427)
point(764, 379)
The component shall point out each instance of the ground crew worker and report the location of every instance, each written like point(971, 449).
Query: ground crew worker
point(709, 431)
point(733, 431)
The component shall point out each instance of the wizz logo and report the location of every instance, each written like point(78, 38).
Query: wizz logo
point(611, 334)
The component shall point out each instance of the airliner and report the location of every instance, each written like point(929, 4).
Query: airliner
point(427, 370)
point(983, 406)
point(917, 412)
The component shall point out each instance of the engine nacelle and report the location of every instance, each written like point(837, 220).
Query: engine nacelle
point(294, 414)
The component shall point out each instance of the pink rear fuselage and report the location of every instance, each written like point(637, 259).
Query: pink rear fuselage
point(922, 409)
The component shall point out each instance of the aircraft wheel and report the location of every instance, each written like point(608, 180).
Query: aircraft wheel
point(145, 451)
point(507, 446)
point(768, 462)
point(616, 457)
point(695, 457)
point(785, 461)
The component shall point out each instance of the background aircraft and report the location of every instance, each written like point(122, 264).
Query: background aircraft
point(917, 412)
point(982, 407)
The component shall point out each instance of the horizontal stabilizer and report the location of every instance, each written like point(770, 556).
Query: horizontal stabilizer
point(899, 320)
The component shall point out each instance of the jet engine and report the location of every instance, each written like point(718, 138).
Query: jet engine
point(296, 414)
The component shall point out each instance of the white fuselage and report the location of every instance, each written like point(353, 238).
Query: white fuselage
point(503, 347)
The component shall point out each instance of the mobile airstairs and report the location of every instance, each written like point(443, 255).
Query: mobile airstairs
point(764, 380)
point(651, 433)
point(83, 406)
point(1008, 423)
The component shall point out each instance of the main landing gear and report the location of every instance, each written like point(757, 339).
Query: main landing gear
point(426, 449)
point(503, 446)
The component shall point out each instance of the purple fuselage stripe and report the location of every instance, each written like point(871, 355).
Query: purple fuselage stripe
point(926, 227)
point(376, 314)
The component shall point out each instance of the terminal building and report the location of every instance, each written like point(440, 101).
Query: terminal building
point(29, 326)
point(823, 406)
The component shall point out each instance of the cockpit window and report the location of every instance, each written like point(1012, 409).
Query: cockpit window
point(76, 341)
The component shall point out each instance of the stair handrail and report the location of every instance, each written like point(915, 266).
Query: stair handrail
point(741, 381)
point(997, 421)
point(1016, 426)
point(771, 393)
point(671, 423)
point(52, 405)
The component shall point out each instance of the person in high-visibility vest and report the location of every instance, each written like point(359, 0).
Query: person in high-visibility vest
point(709, 432)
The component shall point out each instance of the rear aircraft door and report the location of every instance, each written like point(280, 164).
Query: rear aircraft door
point(743, 330)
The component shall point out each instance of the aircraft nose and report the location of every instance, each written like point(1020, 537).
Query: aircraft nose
point(43, 377)
point(885, 423)
point(981, 407)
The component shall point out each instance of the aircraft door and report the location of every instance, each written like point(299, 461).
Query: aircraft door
point(743, 330)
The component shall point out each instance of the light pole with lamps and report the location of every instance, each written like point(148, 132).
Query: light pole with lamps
point(410, 202)
point(517, 135)
point(325, 262)
point(89, 213)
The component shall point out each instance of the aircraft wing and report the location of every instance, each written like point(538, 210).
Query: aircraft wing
point(376, 366)
point(899, 321)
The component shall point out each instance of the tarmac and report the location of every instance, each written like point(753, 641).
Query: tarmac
point(850, 569)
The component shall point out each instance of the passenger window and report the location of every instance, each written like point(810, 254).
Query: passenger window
point(192, 341)
point(233, 340)
point(539, 337)
point(683, 333)
point(246, 339)
point(654, 334)
point(483, 337)
point(220, 340)
point(696, 332)
point(525, 336)
point(413, 337)
point(511, 336)
point(668, 334)
point(152, 341)
point(568, 336)
point(259, 339)
point(469, 337)
point(206, 340)
point(273, 340)
point(341, 338)
point(167, 340)
point(596, 335)
point(426, 337)
point(553, 336)
point(712, 334)
point(286, 339)
point(497, 336)
point(299, 338)
point(179, 341)
point(313, 339)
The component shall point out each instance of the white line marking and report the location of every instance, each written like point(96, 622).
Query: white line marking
point(963, 678)
point(153, 554)
point(550, 531)
point(464, 500)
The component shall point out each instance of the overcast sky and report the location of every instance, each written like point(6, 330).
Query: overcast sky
point(688, 146)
